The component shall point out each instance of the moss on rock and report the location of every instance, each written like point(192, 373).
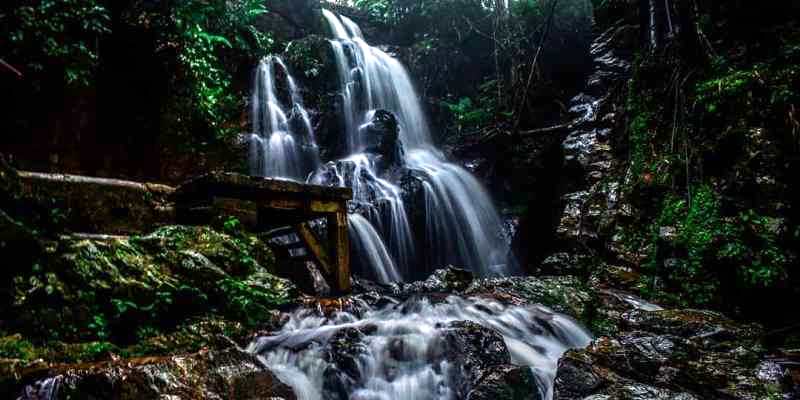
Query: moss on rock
point(89, 297)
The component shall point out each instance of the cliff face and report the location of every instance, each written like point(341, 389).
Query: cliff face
point(677, 167)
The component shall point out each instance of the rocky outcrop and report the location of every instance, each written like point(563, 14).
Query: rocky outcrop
point(671, 354)
point(291, 19)
point(473, 349)
point(230, 374)
point(592, 196)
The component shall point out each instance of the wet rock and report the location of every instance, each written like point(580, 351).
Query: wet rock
point(667, 354)
point(506, 382)
point(700, 325)
point(383, 137)
point(447, 280)
point(565, 294)
point(474, 349)
point(636, 391)
point(577, 377)
point(614, 276)
point(342, 354)
point(565, 263)
point(229, 374)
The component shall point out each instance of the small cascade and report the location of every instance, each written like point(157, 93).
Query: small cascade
point(397, 350)
point(378, 200)
point(282, 143)
point(369, 249)
point(459, 217)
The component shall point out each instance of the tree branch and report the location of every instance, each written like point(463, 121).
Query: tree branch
point(549, 23)
point(10, 68)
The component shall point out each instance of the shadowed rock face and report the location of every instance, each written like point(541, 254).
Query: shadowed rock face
point(669, 354)
point(229, 374)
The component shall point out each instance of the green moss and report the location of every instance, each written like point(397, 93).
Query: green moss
point(121, 291)
point(708, 248)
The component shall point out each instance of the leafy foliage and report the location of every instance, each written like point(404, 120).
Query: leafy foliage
point(710, 250)
point(468, 115)
point(710, 153)
point(204, 32)
point(55, 34)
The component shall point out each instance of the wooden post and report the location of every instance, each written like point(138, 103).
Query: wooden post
point(317, 249)
point(340, 250)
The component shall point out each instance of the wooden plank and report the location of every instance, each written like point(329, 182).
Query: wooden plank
point(256, 188)
point(315, 248)
point(340, 247)
point(309, 206)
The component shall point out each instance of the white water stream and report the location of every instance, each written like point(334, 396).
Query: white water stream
point(400, 357)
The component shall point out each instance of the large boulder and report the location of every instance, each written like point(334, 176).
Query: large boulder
point(447, 280)
point(343, 352)
point(484, 369)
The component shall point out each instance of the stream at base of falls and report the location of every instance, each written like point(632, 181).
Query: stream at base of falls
point(412, 350)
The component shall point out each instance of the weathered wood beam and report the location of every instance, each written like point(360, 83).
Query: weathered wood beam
point(340, 245)
point(311, 206)
point(256, 188)
point(316, 248)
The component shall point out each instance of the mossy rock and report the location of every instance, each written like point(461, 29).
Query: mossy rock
point(565, 294)
point(111, 289)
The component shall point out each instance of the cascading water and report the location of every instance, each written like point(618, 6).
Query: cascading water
point(282, 143)
point(459, 216)
point(395, 351)
point(398, 350)
point(366, 243)
point(380, 202)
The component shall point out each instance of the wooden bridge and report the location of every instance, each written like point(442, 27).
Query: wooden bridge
point(282, 208)
point(277, 207)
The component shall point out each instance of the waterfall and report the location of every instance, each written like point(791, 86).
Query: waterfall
point(462, 226)
point(282, 143)
point(399, 355)
point(366, 242)
point(395, 351)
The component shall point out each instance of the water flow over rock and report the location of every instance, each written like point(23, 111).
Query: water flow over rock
point(459, 223)
point(366, 242)
point(282, 143)
point(417, 349)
